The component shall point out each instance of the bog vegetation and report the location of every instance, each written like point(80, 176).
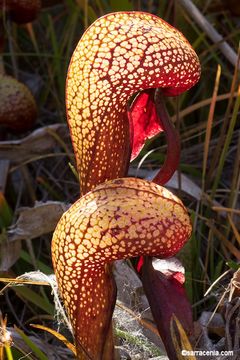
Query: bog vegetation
point(38, 179)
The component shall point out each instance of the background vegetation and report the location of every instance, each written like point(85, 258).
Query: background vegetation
point(208, 181)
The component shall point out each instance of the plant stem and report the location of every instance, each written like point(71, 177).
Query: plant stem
point(8, 352)
point(173, 142)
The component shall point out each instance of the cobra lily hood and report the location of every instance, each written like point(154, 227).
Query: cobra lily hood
point(120, 55)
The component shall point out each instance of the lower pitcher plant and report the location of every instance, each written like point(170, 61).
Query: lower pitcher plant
point(122, 56)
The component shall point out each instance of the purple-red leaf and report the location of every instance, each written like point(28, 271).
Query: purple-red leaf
point(167, 297)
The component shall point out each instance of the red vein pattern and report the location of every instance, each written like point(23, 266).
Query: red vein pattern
point(118, 55)
point(102, 227)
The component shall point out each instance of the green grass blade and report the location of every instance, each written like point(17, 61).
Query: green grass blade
point(30, 295)
point(32, 346)
point(5, 213)
point(226, 145)
point(41, 266)
point(8, 352)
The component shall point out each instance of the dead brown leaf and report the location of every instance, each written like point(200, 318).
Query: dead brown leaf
point(36, 221)
point(39, 142)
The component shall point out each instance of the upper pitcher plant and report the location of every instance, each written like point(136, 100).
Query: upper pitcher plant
point(112, 108)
